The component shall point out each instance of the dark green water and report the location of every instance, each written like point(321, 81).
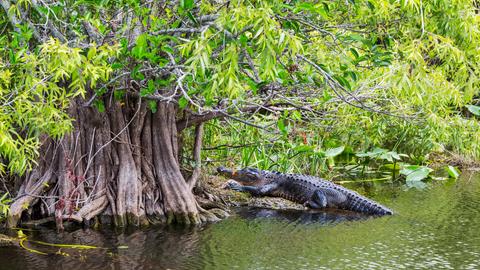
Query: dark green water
point(437, 228)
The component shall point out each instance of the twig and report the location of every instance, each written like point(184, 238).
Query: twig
point(50, 25)
point(182, 30)
point(251, 65)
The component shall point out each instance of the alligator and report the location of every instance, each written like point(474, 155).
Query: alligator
point(311, 191)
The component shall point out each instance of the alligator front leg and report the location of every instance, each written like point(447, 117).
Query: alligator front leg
point(324, 197)
point(255, 191)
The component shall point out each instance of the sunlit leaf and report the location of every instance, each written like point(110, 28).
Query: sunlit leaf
point(187, 4)
point(452, 172)
point(304, 148)
point(474, 109)
point(333, 152)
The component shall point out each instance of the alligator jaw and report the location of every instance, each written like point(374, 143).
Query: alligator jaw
point(226, 172)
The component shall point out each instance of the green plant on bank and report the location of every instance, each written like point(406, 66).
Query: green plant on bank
point(4, 205)
point(248, 146)
point(430, 73)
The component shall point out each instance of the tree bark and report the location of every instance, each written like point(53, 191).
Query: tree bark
point(119, 165)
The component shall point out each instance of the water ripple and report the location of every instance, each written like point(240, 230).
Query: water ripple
point(434, 229)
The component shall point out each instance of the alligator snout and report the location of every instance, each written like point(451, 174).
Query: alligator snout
point(223, 170)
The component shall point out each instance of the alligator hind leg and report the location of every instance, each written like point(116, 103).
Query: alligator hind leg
point(318, 200)
point(326, 196)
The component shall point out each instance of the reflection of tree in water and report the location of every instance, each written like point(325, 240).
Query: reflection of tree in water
point(153, 248)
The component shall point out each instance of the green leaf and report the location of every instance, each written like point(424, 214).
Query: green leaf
point(355, 37)
point(141, 46)
point(333, 152)
point(119, 94)
point(391, 166)
point(191, 17)
point(186, 4)
point(281, 125)
point(408, 169)
point(474, 109)
point(303, 148)
point(91, 52)
point(326, 96)
point(418, 175)
point(151, 85)
point(117, 65)
point(182, 102)
point(152, 105)
point(99, 105)
point(372, 154)
point(145, 92)
point(167, 48)
point(20, 234)
point(384, 63)
point(354, 52)
point(353, 75)
point(452, 172)
point(343, 82)
point(370, 5)
point(415, 173)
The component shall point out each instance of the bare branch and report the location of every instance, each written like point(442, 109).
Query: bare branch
point(207, 18)
point(50, 25)
point(181, 30)
point(251, 65)
point(197, 150)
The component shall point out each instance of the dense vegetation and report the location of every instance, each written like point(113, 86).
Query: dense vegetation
point(98, 97)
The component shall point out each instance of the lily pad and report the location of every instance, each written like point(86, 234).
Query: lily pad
point(415, 174)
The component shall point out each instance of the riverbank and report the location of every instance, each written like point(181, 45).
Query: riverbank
point(215, 185)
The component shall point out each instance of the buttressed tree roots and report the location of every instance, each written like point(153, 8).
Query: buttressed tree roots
point(117, 166)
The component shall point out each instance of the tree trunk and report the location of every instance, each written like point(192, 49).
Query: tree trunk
point(120, 165)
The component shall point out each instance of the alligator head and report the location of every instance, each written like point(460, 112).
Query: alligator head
point(246, 176)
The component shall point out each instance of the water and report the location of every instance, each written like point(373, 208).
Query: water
point(437, 228)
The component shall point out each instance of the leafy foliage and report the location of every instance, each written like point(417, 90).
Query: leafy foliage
point(325, 76)
point(408, 56)
point(36, 89)
point(4, 205)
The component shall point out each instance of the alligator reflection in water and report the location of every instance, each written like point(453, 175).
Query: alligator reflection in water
point(302, 217)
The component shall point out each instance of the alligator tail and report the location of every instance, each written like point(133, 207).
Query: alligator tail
point(364, 205)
